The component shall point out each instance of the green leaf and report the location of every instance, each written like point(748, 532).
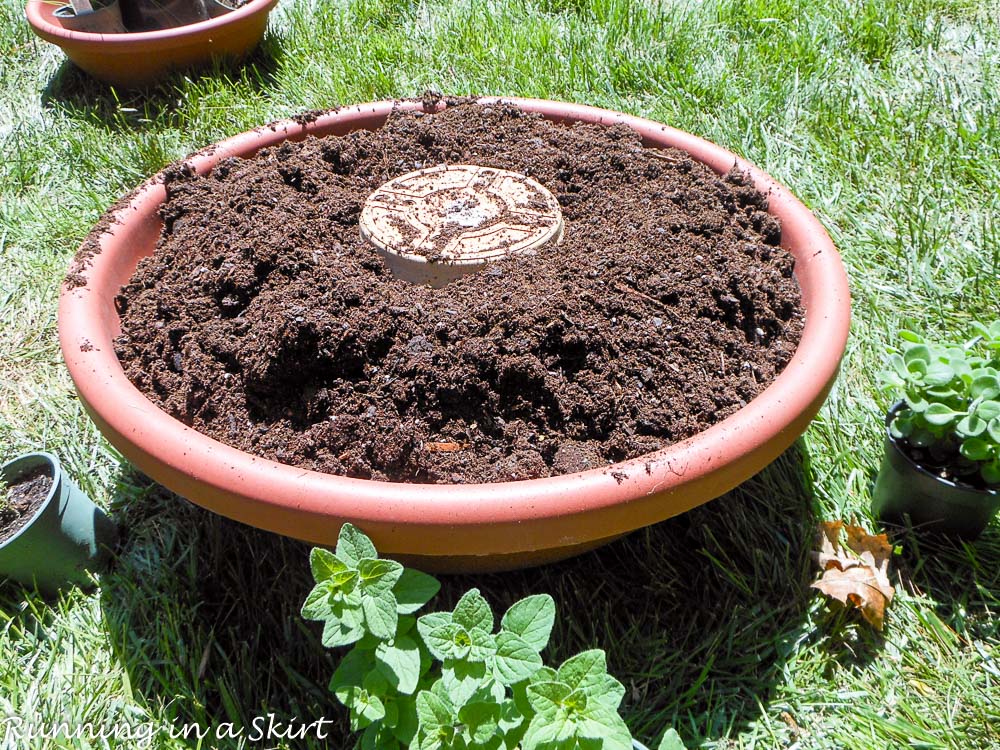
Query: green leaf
point(988, 410)
point(911, 336)
point(993, 429)
point(377, 737)
point(917, 353)
point(971, 426)
point(380, 615)
point(430, 622)
point(546, 697)
point(532, 619)
point(940, 415)
point(406, 725)
point(515, 658)
point(602, 723)
point(351, 671)
point(584, 670)
point(472, 611)
point(376, 683)
point(433, 712)
point(324, 564)
point(399, 663)
point(461, 679)
point(671, 741)
point(608, 691)
point(364, 707)
point(481, 720)
point(898, 366)
point(915, 401)
point(430, 742)
point(378, 577)
point(976, 449)
point(345, 627)
point(413, 590)
point(353, 546)
point(449, 641)
point(938, 373)
point(484, 645)
point(901, 427)
point(546, 732)
point(985, 385)
point(318, 605)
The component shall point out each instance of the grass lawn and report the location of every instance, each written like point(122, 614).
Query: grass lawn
point(881, 116)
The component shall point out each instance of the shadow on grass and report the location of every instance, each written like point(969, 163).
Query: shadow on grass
point(84, 98)
point(961, 577)
point(24, 613)
point(697, 614)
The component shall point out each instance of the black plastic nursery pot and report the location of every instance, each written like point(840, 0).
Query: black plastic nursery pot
point(67, 537)
point(144, 15)
point(905, 488)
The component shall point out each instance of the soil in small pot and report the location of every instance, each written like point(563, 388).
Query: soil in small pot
point(946, 462)
point(22, 500)
point(265, 321)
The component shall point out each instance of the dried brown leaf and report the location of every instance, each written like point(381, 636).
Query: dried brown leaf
point(857, 575)
point(444, 447)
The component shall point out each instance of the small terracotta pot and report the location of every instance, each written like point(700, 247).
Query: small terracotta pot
point(454, 527)
point(905, 488)
point(135, 59)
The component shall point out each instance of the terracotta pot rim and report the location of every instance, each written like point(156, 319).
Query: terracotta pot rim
point(139, 39)
point(920, 468)
point(262, 490)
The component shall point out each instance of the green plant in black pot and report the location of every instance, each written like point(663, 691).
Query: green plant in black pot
point(455, 680)
point(942, 459)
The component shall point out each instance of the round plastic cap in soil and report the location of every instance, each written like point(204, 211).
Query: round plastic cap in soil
point(461, 526)
point(434, 225)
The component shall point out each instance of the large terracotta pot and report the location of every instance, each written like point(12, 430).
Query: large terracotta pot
point(455, 527)
point(136, 59)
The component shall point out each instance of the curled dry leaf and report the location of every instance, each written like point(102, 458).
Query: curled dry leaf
point(445, 447)
point(855, 573)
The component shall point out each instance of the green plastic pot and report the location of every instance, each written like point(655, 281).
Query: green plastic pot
point(67, 536)
point(905, 488)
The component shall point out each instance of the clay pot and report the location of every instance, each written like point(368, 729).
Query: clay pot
point(905, 488)
point(138, 58)
point(67, 537)
point(454, 527)
point(103, 20)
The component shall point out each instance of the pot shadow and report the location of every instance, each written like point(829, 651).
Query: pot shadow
point(961, 577)
point(24, 613)
point(697, 614)
point(76, 94)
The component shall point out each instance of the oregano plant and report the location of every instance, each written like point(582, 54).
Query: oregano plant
point(951, 394)
point(454, 680)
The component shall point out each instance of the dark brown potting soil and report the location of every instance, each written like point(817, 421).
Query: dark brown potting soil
point(264, 321)
point(22, 500)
